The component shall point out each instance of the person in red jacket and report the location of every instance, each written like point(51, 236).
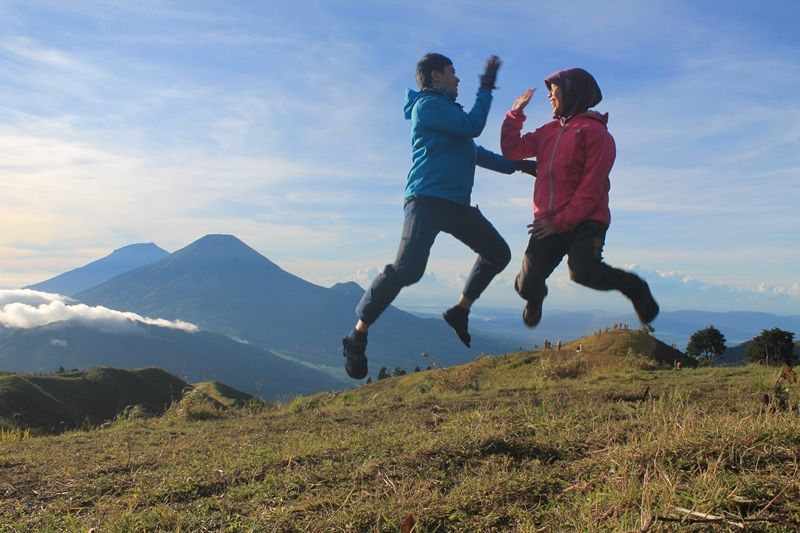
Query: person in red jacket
point(575, 154)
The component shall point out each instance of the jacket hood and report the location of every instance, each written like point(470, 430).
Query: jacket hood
point(594, 115)
point(579, 91)
point(412, 97)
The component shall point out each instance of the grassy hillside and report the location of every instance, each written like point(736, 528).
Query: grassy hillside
point(55, 402)
point(545, 441)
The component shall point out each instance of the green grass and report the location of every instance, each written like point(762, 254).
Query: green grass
point(540, 441)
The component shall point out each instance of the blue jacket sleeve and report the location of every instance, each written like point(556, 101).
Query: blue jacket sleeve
point(440, 115)
point(493, 161)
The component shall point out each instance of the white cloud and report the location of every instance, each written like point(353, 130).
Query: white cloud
point(30, 297)
point(25, 309)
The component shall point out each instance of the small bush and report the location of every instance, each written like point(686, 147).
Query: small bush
point(640, 361)
point(563, 366)
point(255, 406)
point(196, 406)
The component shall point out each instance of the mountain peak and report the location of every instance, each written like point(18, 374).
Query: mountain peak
point(350, 288)
point(220, 238)
point(217, 257)
point(141, 248)
point(117, 262)
point(224, 247)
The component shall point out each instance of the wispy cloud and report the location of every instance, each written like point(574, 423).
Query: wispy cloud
point(25, 309)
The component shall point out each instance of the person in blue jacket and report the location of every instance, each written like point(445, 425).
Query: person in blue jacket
point(437, 198)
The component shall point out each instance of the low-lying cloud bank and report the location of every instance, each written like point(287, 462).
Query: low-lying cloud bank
point(674, 291)
point(25, 309)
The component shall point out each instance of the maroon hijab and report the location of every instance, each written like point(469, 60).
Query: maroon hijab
point(579, 91)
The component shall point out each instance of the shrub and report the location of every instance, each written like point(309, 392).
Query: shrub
point(198, 406)
point(558, 366)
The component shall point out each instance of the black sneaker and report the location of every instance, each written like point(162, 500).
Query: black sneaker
point(532, 314)
point(355, 353)
point(457, 318)
point(644, 304)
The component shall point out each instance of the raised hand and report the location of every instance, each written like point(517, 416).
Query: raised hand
point(489, 76)
point(522, 100)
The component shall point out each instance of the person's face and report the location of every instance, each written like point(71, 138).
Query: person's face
point(556, 100)
point(446, 80)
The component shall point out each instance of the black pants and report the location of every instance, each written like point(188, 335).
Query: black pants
point(584, 246)
point(425, 217)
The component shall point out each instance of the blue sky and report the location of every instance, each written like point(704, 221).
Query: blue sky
point(282, 123)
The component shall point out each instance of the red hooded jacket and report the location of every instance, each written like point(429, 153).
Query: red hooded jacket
point(574, 159)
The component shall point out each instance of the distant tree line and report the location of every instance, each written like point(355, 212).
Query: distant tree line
point(772, 347)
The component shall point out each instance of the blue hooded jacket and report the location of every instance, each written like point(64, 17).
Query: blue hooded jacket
point(443, 152)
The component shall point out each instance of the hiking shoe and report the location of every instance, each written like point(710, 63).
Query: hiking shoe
point(457, 318)
point(355, 353)
point(532, 314)
point(644, 304)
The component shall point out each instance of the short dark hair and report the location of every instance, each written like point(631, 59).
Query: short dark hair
point(428, 64)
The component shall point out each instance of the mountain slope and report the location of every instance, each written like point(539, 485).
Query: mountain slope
point(223, 285)
point(198, 356)
point(118, 262)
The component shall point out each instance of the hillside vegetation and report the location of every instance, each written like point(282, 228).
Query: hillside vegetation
point(530, 441)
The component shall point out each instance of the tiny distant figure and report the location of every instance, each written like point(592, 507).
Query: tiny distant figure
point(437, 199)
point(558, 345)
point(546, 344)
point(570, 195)
point(580, 347)
point(677, 364)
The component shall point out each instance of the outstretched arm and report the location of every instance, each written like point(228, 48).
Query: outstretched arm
point(498, 163)
point(442, 116)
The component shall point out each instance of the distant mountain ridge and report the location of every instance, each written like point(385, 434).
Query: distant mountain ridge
point(198, 356)
point(118, 262)
point(223, 285)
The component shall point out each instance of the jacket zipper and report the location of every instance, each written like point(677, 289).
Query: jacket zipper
point(550, 171)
